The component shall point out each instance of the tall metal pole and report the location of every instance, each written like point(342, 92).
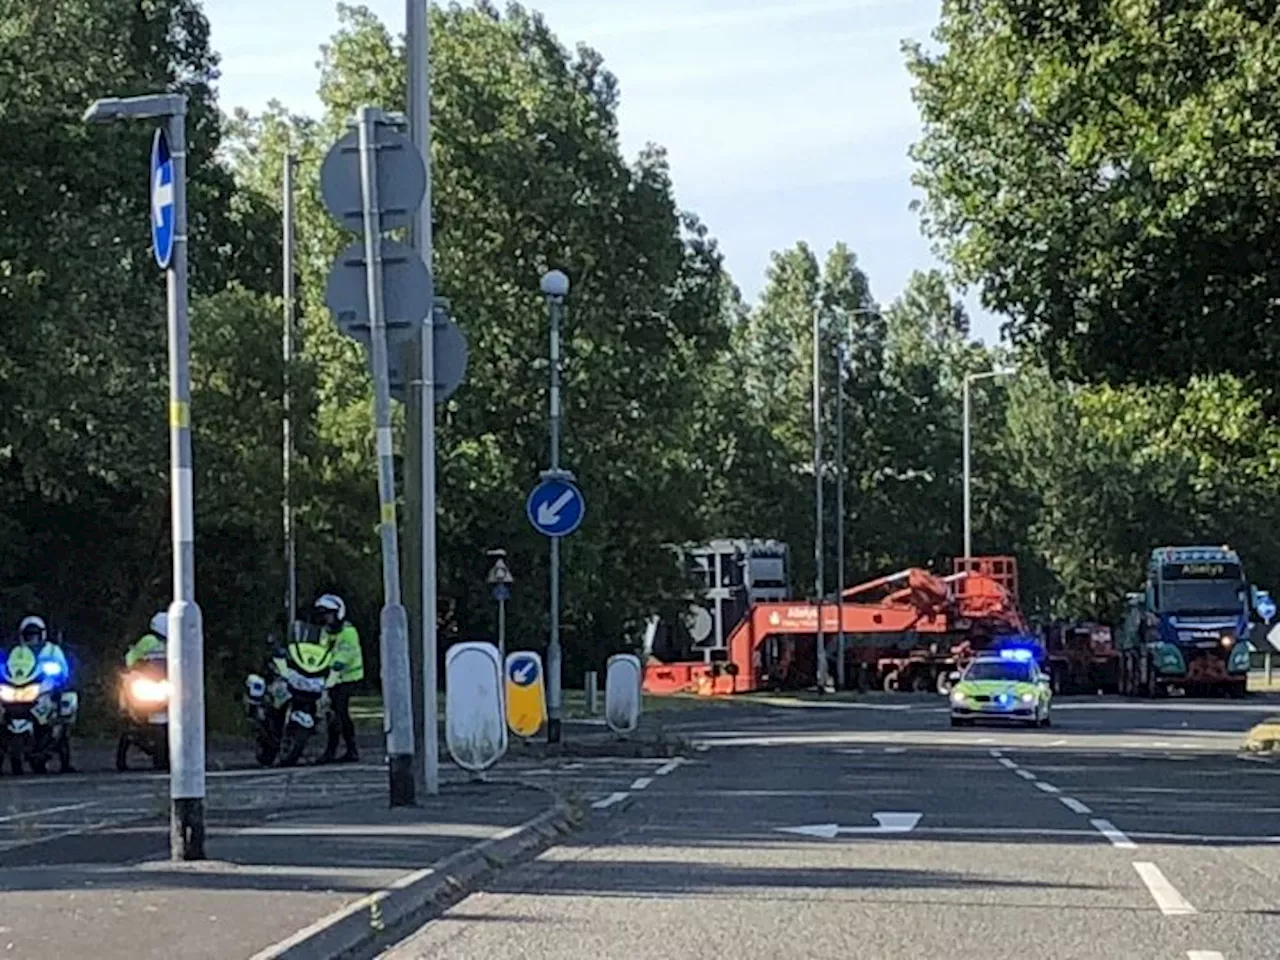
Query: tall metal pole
point(394, 621)
point(186, 657)
point(968, 544)
point(290, 543)
point(421, 501)
point(555, 307)
point(841, 361)
point(502, 630)
point(821, 649)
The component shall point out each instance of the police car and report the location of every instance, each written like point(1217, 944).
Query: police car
point(1004, 686)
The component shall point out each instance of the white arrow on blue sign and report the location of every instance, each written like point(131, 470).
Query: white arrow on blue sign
point(162, 200)
point(1266, 607)
point(556, 508)
point(523, 671)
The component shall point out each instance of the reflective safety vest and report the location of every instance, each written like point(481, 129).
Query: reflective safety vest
point(146, 648)
point(348, 658)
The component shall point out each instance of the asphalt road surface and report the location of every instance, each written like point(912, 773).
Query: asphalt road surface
point(1128, 830)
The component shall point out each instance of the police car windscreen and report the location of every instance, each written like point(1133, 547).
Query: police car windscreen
point(1012, 671)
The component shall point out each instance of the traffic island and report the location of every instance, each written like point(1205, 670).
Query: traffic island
point(651, 740)
point(1263, 738)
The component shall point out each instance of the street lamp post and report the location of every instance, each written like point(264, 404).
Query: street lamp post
point(820, 660)
point(167, 202)
point(968, 508)
point(555, 287)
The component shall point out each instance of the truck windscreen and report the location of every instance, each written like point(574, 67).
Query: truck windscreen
point(1201, 588)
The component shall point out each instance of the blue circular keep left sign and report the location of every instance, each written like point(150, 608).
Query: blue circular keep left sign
point(163, 200)
point(523, 671)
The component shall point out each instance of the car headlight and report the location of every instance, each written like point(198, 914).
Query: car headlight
point(957, 696)
point(1028, 698)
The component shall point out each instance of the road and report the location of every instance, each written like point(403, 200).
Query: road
point(875, 830)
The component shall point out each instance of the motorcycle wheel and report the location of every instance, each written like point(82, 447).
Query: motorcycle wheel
point(122, 753)
point(291, 749)
point(264, 751)
point(15, 756)
point(160, 756)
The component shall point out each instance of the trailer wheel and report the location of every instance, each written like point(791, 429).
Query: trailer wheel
point(890, 682)
point(943, 684)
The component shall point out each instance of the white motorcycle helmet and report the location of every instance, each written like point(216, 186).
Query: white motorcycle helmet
point(333, 602)
point(160, 625)
point(33, 623)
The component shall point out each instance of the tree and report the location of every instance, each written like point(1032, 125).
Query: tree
point(1104, 172)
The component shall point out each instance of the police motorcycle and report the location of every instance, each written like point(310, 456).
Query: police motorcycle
point(144, 708)
point(291, 702)
point(36, 711)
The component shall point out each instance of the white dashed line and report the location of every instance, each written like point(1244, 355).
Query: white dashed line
point(667, 767)
point(641, 782)
point(610, 800)
point(996, 753)
point(1047, 787)
point(895, 749)
point(1166, 896)
point(1204, 955)
point(1025, 774)
point(1071, 803)
point(1118, 839)
point(1007, 763)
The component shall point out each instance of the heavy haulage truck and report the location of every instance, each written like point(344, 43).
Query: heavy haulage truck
point(1188, 629)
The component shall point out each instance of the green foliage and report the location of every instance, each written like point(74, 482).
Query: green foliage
point(1104, 171)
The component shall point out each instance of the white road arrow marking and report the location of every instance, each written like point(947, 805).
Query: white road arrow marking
point(888, 823)
point(161, 197)
point(549, 513)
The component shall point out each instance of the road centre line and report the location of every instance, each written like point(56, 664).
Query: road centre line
point(1074, 805)
point(641, 782)
point(1109, 830)
point(1166, 896)
point(668, 767)
point(610, 800)
point(996, 753)
point(1047, 787)
point(1025, 774)
point(1007, 763)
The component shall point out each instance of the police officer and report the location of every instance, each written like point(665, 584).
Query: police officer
point(348, 663)
point(151, 646)
point(33, 634)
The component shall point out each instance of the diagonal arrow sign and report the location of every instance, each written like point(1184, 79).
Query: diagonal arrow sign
point(887, 823)
point(549, 513)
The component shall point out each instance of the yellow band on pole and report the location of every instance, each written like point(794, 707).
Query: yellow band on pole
point(179, 413)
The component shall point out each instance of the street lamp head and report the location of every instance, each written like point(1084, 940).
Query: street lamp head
point(136, 108)
point(555, 284)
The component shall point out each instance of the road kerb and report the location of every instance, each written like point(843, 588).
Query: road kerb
point(379, 920)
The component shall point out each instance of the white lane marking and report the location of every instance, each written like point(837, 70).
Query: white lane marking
point(667, 767)
point(1166, 896)
point(1058, 743)
point(1204, 955)
point(996, 753)
point(856, 752)
point(895, 749)
point(986, 740)
point(28, 814)
point(1007, 763)
point(610, 800)
point(1071, 803)
point(1025, 774)
point(1047, 787)
point(639, 783)
point(1118, 839)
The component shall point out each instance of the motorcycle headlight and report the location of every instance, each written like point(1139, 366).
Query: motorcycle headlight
point(28, 694)
point(146, 690)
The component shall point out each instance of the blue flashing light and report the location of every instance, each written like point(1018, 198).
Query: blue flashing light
point(1021, 654)
point(51, 669)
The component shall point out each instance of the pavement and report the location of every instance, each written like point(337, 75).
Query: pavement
point(86, 868)
point(870, 828)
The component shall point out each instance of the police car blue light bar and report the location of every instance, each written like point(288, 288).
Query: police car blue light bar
point(1016, 653)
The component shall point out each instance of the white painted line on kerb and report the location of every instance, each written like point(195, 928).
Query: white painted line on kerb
point(1204, 955)
point(667, 767)
point(1025, 774)
point(1118, 839)
point(610, 800)
point(1047, 787)
point(1074, 805)
point(1166, 896)
point(1007, 763)
point(641, 782)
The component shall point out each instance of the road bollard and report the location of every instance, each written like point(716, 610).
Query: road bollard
point(593, 693)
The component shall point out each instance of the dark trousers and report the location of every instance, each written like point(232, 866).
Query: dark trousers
point(340, 722)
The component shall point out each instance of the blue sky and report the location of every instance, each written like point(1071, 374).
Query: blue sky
point(783, 121)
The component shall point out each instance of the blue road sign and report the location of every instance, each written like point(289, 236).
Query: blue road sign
point(162, 191)
point(523, 671)
point(501, 591)
point(1266, 607)
point(556, 508)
